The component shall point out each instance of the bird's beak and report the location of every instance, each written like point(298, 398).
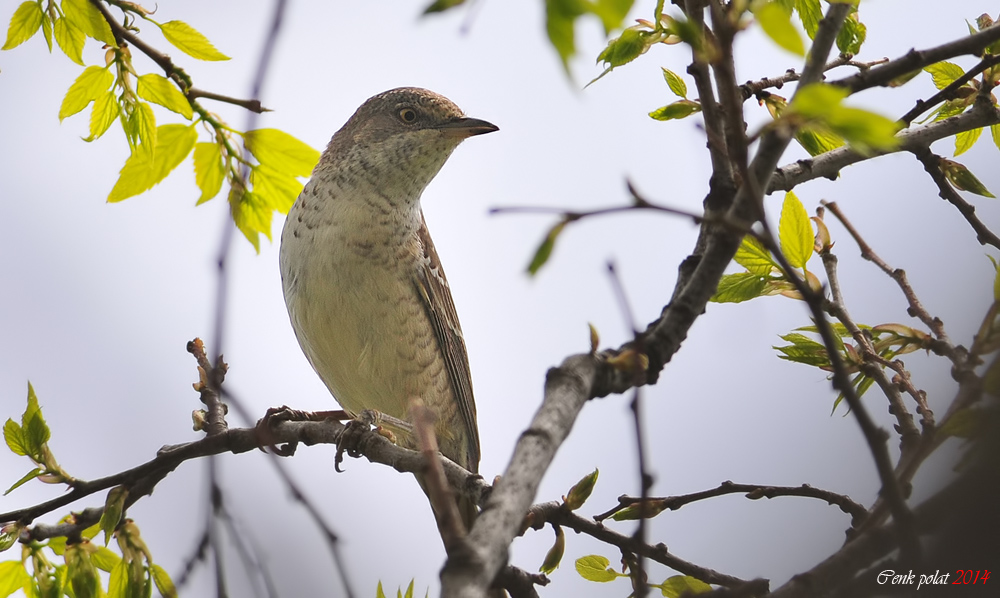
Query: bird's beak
point(467, 127)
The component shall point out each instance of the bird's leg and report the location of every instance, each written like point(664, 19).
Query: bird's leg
point(276, 415)
point(356, 428)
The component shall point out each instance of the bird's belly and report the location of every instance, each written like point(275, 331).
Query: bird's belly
point(368, 337)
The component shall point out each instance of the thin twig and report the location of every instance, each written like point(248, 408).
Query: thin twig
point(443, 502)
point(553, 512)
point(752, 88)
point(931, 162)
point(163, 61)
point(645, 478)
point(909, 435)
point(948, 92)
point(857, 511)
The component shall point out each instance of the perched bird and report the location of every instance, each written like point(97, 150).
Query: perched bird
point(365, 291)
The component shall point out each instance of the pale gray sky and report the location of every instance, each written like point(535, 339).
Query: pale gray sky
point(97, 301)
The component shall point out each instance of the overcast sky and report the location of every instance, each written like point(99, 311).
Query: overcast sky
point(97, 301)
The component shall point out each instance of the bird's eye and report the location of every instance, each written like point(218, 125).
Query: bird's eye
point(407, 115)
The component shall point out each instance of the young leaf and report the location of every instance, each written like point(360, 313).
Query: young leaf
point(13, 575)
point(753, 256)
point(281, 151)
point(810, 14)
point(24, 24)
point(47, 31)
point(442, 5)
point(944, 73)
point(544, 250)
point(82, 573)
point(560, 18)
point(995, 132)
point(14, 437)
point(34, 473)
point(92, 82)
point(160, 90)
point(595, 568)
point(70, 40)
point(679, 585)
point(118, 582)
point(735, 288)
point(555, 554)
point(960, 176)
point(624, 49)
point(164, 584)
point(777, 24)
point(966, 139)
point(104, 112)
point(188, 40)
point(677, 110)
point(250, 215)
point(114, 506)
point(276, 189)
point(580, 491)
point(795, 232)
point(852, 35)
point(144, 125)
point(675, 83)
point(209, 170)
point(89, 20)
point(140, 173)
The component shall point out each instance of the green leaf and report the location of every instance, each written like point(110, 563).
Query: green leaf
point(442, 5)
point(70, 40)
point(82, 573)
point(139, 174)
point(580, 491)
point(164, 584)
point(817, 140)
point(34, 430)
point(966, 139)
point(104, 559)
point(92, 82)
point(962, 178)
point(753, 256)
point(674, 587)
point(944, 73)
point(251, 215)
point(595, 568)
point(13, 577)
point(863, 129)
point(624, 49)
point(777, 24)
point(14, 438)
point(34, 473)
point(47, 31)
point(675, 83)
point(24, 24)
point(555, 554)
point(114, 506)
point(104, 112)
point(611, 12)
point(810, 14)
point(160, 90)
point(281, 151)
point(209, 170)
point(144, 127)
point(795, 232)
point(544, 250)
point(677, 110)
point(735, 288)
point(852, 35)
point(638, 510)
point(188, 40)
point(995, 132)
point(409, 590)
point(560, 18)
point(274, 188)
point(379, 593)
point(89, 20)
point(118, 585)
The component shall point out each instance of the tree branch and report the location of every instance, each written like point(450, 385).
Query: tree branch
point(829, 164)
point(857, 511)
point(172, 71)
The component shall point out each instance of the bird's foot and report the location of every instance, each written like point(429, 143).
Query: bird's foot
point(276, 415)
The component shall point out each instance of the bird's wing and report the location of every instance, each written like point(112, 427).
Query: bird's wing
point(440, 308)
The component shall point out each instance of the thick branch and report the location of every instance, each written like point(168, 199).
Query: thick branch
point(829, 165)
point(880, 76)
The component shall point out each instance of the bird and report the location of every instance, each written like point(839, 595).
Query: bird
point(363, 284)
